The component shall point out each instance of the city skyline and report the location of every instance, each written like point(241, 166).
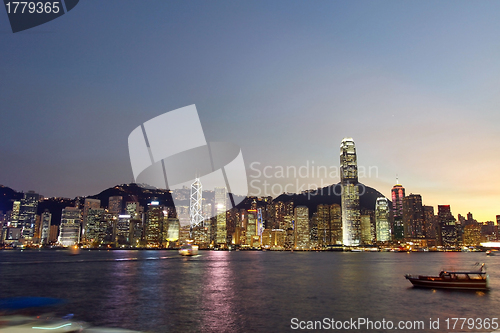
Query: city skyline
point(415, 84)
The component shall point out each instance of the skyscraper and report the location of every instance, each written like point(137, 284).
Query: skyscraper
point(27, 214)
point(383, 227)
point(335, 225)
point(302, 235)
point(115, 204)
point(88, 204)
point(324, 231)
point(45, 227)
point(95, 226)
point(195, 205)
point(14, 217)
point(132, 209)
point(398, 193)
point(413, 216)
point(70, 226)
point(429, 222)
point(220, 206)
point(447, 226)
point(154, 224)
point(351, 229)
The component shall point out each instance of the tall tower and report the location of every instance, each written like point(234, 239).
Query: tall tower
point(398, 193)
point(351, 228)
point(195, 205)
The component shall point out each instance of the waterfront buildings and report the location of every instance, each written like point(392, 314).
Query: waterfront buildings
point(351, 229)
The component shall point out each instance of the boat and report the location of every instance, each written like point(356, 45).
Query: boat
point(451, 279)
point(491, 253)
point(188, 250)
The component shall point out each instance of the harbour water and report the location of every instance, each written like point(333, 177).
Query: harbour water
point(246, 291)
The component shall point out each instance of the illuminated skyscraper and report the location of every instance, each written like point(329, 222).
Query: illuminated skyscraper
point(195, 205)
point(351, 228)
point(382, 222)
point(45, 227)
point(27, 214)
point(154, 224)
point(302, 235)
point(251, 230)
point(173, 228)
point(472, 235)
point(430, 222)
point(413, 216)
point(88, 204)
point(398, 193)
point(115, 204)
point(220, 207)
point(335, 225)
point(324, 232)
point(95, 226)
point(122, 232)
point(132, 209)
point(448, 227)
point(366, 236)
point(71, 218)
point(14, 219)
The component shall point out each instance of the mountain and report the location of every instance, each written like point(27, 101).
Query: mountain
point(134, 192)
point(7, 198)
point(330, 195)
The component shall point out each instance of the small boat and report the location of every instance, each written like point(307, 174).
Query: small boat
point(188, 250)
point(465, 280)
point(491, 253)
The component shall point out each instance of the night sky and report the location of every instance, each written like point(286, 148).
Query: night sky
point(415, 83)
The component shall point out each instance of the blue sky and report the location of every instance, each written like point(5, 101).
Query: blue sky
point(415, 83)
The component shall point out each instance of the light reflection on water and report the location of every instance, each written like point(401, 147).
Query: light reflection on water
point(219, 291)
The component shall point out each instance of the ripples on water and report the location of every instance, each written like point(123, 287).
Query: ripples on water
point(244, 291)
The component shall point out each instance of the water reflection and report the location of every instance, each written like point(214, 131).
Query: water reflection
point(218, 294)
